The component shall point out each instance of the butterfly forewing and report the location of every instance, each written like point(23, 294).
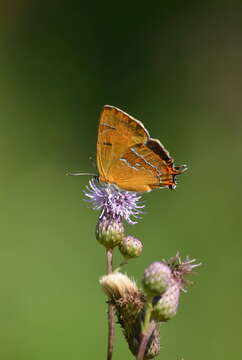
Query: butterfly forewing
point(117, 132)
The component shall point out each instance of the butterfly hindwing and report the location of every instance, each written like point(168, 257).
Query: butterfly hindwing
point(141, 169)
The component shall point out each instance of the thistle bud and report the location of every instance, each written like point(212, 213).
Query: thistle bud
point(119, 286)
point(156, 278)
point(165, 307)
point(130, 247)
point(109, 232)
point(129, 304)
point(125, 295)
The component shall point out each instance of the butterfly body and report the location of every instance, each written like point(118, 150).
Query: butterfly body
point(128, 157)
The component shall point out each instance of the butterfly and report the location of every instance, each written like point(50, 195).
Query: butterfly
point(128, 157)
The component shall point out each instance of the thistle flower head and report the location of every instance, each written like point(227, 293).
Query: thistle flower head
point(180, 268)
point(165, 305)
point(113, 202)
point(129, 304)
point(124, 294)
point(118, 285)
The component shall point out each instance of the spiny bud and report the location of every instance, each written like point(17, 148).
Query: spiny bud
point(156, 278)
point(165, 306)
point(129, 304)
point(109, 232)
point(118, 285)
point(127, 298)
point(130, 247)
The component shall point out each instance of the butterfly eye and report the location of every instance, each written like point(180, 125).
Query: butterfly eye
point(172, 187)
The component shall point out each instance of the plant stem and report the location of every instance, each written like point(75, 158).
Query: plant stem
point(147, 330)
point(110, 309)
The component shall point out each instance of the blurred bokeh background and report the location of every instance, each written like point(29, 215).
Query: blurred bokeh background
point(176, 66)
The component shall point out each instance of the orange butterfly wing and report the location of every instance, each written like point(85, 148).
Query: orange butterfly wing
point(128, 157)
point(117, 132)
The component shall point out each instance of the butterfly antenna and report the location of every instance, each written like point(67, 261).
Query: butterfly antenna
point(80, 174)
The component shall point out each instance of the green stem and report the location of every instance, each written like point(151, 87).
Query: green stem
point(146, 322)
point(124, 262)
point(147, 329)
point(110, 309)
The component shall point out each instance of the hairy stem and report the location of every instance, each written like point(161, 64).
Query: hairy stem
point(147, 330)
point(110, 309)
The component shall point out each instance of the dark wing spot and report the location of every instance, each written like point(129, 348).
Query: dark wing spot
point(107, 144)
point(159, 150)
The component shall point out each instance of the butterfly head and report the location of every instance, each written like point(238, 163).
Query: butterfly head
point(180, 169)
point(177, 171)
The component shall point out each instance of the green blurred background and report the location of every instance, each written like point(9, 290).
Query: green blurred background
point(176, 66)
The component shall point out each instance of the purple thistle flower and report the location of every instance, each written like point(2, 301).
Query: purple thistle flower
point(165, 306)
point(113, 202)
point(180, 268)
